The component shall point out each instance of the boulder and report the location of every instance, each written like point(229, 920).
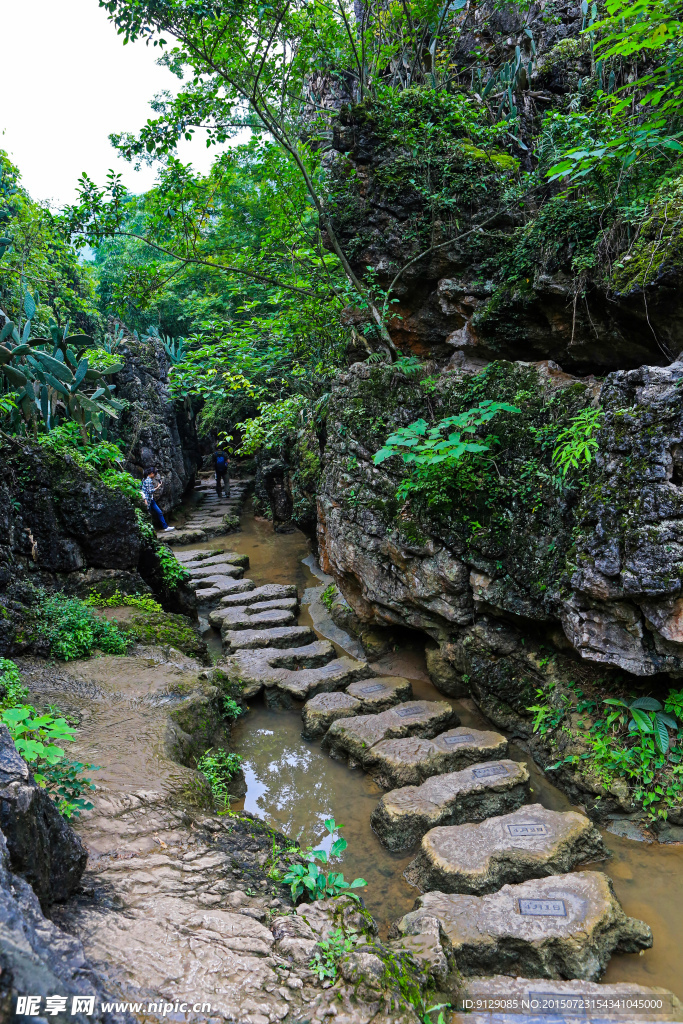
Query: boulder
point(380, 693)
point(321, 711)
point(354, 738)
point(408, 762)
point(403, 816)
point(565, 926)
point(43, 848)
point(480, 858)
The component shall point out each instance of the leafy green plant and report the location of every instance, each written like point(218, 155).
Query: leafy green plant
point(310, 880)
point(576, 445)
point(328, 952)
point(119, 600)
point(648, 718)
point(546, 716)
point(231, 709)
point(74, 630)
point(12, 690)
point(219, 767)
point(328, 595)
point(145, 527)
point(171, 569)
point(68, 786)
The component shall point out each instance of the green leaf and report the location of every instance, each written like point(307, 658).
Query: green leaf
point(641, 720)
point(661, 735)
point(646, 704)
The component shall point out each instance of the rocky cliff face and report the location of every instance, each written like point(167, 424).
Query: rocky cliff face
point(519, 578)
point(155, 429)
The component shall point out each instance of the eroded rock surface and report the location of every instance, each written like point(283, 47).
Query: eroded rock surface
point(403, 816)
point(353, 739)
point(480, 858)
point(380, 693)
point(565, 926)
point(279, 636)
point(321, 711)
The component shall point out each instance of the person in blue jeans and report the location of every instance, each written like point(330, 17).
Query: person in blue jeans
point(149, 489)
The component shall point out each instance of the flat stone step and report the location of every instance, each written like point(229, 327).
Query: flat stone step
point(564, 1000)
point(247, 618)
point(289, 603)
point(227, 586)
point(263, 593)
point(380, 693)
point(321, 711)
point(354, 737)
point(482, 791)
point(217, 570)
point(282, 636)
point(562, 926)
point(408, 762)
point(293, 674)
point(187, 535)
point(480, 858)
point(199, 559)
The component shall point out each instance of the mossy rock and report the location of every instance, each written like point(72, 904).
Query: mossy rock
point(166, 629)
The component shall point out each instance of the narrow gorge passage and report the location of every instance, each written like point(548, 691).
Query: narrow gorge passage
point(293, 784)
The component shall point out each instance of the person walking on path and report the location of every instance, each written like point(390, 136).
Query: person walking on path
point(149, 489)
point(221, 465)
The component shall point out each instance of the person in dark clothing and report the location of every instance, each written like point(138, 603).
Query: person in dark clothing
point(149, 489)
point(221, 465)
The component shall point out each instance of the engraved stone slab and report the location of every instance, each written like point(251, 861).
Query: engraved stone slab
point(490, 932)
point(520, 999)
point(529, 843)
point(408, 762)
point(381, 693)
point(404, 815)
point(354, 738)
point(321, 711)
point(489, 772)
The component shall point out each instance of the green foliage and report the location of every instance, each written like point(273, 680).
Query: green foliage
point(328, 595)
point(231, 709)
point(576, 445)
point(647, 718)
point(171, 569)
point(68, 786)
point(104, 457)
point(272, 426)
point(118, 600)
point(308, 879)
point(219, 767)
point(74, 630)
point(12, 690)
point(328, 952)
point(146, 528)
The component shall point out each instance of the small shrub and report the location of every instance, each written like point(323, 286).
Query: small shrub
point(171, 569)
point(329, 952)
point(315, 883)
point(219, 766)
point(12, 690)
point(74, 631)
point(328, 595)
point(118, 600)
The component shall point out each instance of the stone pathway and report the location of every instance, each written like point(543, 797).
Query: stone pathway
point(215, 516)
point(492, 867)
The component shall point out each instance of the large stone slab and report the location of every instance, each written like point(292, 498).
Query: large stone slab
point(565, 926)
point(219, 587)
point(281, 636)
point(216, 571)
point(408, 762)
point(294, 674)
point(403, 816)
point(256, 594)
point(247, 618)
point(528, 843)
point(354, 738)
point(201, 559)
point(321, 711)
point(524, 998)
point(380, 693)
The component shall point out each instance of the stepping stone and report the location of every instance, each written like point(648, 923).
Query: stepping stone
point(216, 571)
point(403, 816)
point(194, 556)
point(381, 693)
point(289, 603)
point(408, 762)
point(562, 999)
point(529, 843)
point(226, 586)
point(245, 618)
point(321, 711)
point(283, 636)
point(564, 926)
point(255, 596)
point(200, 559)
point(188, 535)
point(352, 738)
point(294, 674)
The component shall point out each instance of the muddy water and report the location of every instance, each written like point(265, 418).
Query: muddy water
point(293, 785)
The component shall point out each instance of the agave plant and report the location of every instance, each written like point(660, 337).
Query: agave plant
point(53, 385)
point(648, 718)
point(174, 349)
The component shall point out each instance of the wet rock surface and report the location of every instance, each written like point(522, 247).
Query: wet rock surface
point(403, 816)
point(380, 693)
point(321, 711)
point(565, 926)
point(42, 848)
point(354, 738)
point(408, 762)
point(253, 639)
point(480, 858)
point(293, 674)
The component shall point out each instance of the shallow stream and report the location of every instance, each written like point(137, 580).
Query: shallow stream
point(293, 785)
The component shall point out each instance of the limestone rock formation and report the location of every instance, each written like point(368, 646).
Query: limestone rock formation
point(565, 926)
point(480, 858)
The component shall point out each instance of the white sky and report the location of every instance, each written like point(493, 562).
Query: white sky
point(68, 81)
